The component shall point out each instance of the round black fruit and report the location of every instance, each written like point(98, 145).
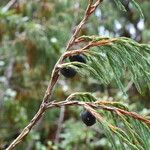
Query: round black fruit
point(88, 118)
point(68, 72)
point(78, 58)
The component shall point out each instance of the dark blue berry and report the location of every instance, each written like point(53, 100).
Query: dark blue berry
point(78, 58)
point(68, 72)
point(88, 118)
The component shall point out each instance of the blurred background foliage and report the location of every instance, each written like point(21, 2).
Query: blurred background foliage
point(33, 35)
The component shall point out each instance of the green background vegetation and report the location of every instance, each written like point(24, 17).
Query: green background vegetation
point(33, 35)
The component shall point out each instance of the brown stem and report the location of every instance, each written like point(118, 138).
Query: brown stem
point(9, 5)
point(90, 9)
point(102, 105)
point(60, 123)
point(127, 113)
point(27, 129)
point(54, 78)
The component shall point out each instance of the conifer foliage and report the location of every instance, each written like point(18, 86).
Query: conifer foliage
point(112, 58)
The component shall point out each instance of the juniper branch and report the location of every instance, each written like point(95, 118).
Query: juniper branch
point(54, 77)
point(99, 105)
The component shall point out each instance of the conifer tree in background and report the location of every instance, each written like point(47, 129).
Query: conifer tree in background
point(107, 61)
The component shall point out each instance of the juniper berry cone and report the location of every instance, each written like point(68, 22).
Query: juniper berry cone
point(88, 118)
point(78, 58)
point(68, 72)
